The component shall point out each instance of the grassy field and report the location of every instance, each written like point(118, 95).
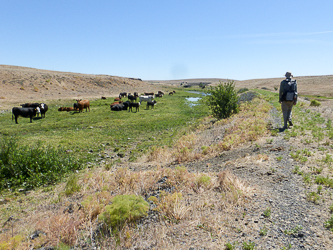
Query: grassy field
point(82, 132)
point(102, 132)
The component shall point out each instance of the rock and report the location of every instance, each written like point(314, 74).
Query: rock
point(36, 234)
point(69, 209)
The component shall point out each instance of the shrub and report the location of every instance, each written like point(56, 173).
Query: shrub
point(248, 246)
point(263, 231)
point(72, 185)
point(313, 196)
point(32, 166)
point(329, 224)
point(315, 103)
point(12, 243)
point(171, 206)
point(202, 181)
point(267, 213)
point(124, 208)
point(230, 246)
point(223, 100)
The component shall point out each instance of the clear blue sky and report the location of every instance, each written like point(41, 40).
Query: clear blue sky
point(169, 39)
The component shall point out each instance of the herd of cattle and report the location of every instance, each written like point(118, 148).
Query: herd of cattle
point(30, 110)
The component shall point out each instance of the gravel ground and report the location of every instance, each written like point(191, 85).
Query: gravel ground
point(294, 221)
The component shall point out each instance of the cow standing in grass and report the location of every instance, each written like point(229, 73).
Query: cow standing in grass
point(152, 104)
point(24, 112)
point(83, 104)
point(134, 105)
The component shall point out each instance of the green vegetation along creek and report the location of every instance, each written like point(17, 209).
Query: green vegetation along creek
point(87, 135)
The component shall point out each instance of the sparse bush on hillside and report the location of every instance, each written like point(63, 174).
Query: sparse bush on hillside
point(124, 209)
point(222, 100)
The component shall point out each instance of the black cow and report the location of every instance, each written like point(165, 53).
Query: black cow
point(134, 105)
point(152, 103)
point(30, 105)
point(132, 98)
point(122, 94)
point(76, 106)
point(117, 107)
point(126, 105)
point(24, 112)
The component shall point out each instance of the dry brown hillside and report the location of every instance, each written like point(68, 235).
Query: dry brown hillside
point(21, 84)
point(307, 85)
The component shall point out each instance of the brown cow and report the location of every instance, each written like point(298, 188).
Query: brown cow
point(83, 104)
point(117, 99)
point(151, 93)
point(61, 109)
point(115, 103)
point(70, 109)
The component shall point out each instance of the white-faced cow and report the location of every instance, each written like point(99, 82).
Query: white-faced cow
point(43, 108)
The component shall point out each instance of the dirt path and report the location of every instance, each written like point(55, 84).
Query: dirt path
point(294, 221)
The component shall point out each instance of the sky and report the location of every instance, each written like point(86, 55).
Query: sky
point(170, 39)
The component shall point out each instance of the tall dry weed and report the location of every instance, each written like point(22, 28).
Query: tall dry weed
point(232, 187)
point(61, 228)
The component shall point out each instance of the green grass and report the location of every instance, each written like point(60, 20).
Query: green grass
point(90, 135)
point(103, 129)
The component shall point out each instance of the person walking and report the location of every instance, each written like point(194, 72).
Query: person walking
point(288, 98)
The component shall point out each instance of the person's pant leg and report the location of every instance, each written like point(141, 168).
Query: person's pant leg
point(286, 107)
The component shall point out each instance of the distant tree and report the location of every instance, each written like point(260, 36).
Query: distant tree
point(223, 100)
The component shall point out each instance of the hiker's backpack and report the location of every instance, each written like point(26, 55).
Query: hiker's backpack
point(290, 93)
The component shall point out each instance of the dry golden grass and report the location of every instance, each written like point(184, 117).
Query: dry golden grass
point(198, 203)
point(249, 125)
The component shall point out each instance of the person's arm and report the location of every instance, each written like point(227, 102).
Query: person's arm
point(281, 92)
point(295, 100)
